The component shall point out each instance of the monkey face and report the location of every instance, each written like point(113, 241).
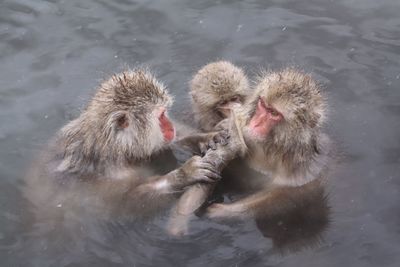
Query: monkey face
point(290, 103)
point(131, 111)
point(224, 107)
point(263, 120)
point(216, 89)
point(141, 135)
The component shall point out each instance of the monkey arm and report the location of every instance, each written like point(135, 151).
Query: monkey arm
point(157, 191)
point(196, 195)
point(195, 170)
point(240, 209)
point(266, 202)
point(197, 144)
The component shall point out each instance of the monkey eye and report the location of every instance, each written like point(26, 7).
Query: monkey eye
point(273, 112)
point(223, 102)
point(235, 99)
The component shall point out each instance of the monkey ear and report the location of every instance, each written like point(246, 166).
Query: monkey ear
point(121, 120)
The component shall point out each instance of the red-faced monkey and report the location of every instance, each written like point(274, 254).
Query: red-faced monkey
point(100, 161)
point(282, 130)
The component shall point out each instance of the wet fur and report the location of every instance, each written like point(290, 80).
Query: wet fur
point(296, 150)
point(295, 154)
point(96, 166)
point(216, 82)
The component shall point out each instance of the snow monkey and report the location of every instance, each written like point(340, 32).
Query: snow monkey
point(216, 89)
point(101, 161)
point(283, 119)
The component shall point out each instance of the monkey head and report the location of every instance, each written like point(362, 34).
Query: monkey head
point(287, 108)
point(128, 115)
point(216, 89)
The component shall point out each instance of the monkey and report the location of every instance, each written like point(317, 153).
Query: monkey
point(286, 146)
point(216, 89)
point(100, 162)
point(196, 195)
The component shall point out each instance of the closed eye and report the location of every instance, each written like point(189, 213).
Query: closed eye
point(235, 99)
point(273, 112)
point(223, 102)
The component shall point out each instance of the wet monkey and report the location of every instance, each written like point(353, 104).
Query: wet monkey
point(216, 89)
point(282, 130)
point(100, 162)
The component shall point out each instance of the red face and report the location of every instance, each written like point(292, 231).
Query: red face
point(167, 128)
point(264, 119)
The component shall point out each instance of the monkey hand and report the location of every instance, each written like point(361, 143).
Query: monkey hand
point(195, 170)
point(223, 125)
point(221, 137)
point(232, 127)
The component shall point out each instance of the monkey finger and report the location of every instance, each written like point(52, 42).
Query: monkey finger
point(225, 134)
point(212, 144)
point(203, 148)
point(196, 158)
point(208, 166)
point(223, 125)
point(222, 138)
point(207, 176)
point(211, 175)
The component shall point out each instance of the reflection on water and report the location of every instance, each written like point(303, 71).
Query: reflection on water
point(54, 52)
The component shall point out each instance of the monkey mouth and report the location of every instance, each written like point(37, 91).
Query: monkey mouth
point(225, 109)
point(258, 120)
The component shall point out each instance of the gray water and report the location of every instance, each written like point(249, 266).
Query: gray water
point(54, 53)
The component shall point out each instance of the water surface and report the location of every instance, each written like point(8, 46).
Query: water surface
point(53, 54)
